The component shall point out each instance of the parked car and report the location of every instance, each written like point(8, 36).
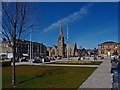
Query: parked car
point(6, 56)
point(37, 60)
point(46, 59)
point(95, 58)
point(92, 56)
point(79, 58)
point(58, 58)
point(53, 58)
point(16, 59)
point(3, 56)
point(102, 57)
point(24, 59)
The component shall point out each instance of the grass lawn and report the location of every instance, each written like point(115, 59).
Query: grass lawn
point(47, 76)
point(78, 62)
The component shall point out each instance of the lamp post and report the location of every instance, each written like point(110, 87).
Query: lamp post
point(30, 43)
point(67, 41)
point(32, 50)
point(1, 46)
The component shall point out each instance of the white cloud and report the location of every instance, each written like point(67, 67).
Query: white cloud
point(71, 18)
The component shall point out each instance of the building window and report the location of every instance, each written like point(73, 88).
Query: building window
point(5, 45)
point(102, 52)
point(21, 45)
point(115, 46)
point(18, 45)
point(115, 51)
point(102, 47)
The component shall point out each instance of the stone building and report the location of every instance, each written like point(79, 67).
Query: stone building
point(23, 47)
point(108, 48)
point(60, 50)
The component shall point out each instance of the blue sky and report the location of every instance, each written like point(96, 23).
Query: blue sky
point(89, 23)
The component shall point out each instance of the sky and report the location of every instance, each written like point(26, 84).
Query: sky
point(89, 23)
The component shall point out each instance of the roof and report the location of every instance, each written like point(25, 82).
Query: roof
point(109, 42)
point(61, 33)
point(54, 46)
point(71, 46)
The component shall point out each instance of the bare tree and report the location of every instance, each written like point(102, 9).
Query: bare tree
point(17, 20)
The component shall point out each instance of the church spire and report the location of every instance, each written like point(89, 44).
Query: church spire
point(61, 28)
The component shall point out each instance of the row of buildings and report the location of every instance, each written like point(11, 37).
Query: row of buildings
point(108, 48)
point(38, 49)
point(23, 48)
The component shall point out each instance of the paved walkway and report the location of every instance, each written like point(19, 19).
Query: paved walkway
point(101, 77)
point(70, 65)
point(42, 64)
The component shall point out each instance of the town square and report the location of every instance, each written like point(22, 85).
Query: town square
point(60, 45)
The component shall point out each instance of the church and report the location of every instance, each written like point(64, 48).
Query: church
point(60, 50)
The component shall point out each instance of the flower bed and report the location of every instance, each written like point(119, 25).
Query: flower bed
point(78, 62)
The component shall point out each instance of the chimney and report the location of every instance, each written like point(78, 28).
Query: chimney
point(22, 38)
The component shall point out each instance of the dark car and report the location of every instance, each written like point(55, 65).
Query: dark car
point(53, 58)
point(95, 58)
point(46, 59)
point(102, 57)
point(16, 59)
point(24, 59)
point(37, 60)
point(3, 57)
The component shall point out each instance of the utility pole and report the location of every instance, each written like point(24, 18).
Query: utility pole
point(32, 50)
point(28, 49)
point(67, 41)
point(40, 50)
point(2, 46)
point(30, 45)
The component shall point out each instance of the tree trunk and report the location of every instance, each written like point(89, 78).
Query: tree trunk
point(13, 68)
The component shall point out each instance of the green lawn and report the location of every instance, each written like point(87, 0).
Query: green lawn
point(47, 76)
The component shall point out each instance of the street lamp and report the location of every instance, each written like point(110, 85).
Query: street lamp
point(67, 41)
point(30, 40)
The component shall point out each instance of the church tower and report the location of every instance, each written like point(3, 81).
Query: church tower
point(60, 43)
